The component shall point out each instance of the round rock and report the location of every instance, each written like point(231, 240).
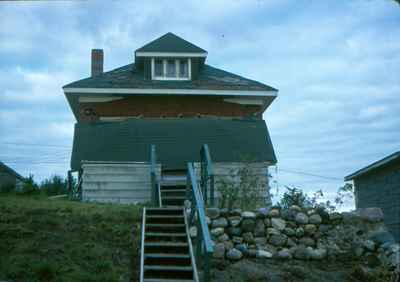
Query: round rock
point(301, 218)
point(278, 223)
point(315, 219)
point(262, 254)
point(234, 254)
point(219, 222)
point(213, 213)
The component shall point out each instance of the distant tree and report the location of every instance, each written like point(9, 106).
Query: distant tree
point(54, 185)
point(29, 187)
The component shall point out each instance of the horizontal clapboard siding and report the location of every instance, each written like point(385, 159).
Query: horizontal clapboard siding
point(224, 171)
point(109, 182)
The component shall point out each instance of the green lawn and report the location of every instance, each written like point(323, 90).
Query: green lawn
point(60, 240)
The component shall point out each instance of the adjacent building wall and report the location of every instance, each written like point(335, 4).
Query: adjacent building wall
point(167, 106)
point(116, 182)
point(6, 178)
point(381, 188)
point(229, 171)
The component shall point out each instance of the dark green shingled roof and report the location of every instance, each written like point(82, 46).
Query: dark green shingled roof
point(178, 141)
point(170, 42)
point(209, 78)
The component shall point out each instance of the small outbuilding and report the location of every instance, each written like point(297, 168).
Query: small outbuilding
point(9, 177)
point(378, 185)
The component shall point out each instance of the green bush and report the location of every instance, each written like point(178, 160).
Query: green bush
point(55, 185)
point(7, 188)
point(29, 187)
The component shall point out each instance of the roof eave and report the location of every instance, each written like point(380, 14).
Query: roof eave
point(373, 166)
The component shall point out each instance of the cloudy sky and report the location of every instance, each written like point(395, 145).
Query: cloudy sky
point(336, 65)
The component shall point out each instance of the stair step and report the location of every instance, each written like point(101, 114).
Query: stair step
point(162, 255)
point(173, 197)
point(164, 211)
point(173, 190)
point(164, 216)
point(165, 225)
point(167, 280)
point(165, 234)
point(168, 267)
point(166, 244)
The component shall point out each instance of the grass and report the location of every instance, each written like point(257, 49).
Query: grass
point(61, 240)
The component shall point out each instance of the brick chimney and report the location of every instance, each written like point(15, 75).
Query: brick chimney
point(97, 62)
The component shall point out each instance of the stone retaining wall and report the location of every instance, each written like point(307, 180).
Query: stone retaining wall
point(303, 234)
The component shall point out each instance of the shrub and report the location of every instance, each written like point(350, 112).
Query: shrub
point(29, 187)
point(7, 188)
point(55, 185)
point(240, 189)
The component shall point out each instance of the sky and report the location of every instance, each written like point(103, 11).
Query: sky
point(336, 64)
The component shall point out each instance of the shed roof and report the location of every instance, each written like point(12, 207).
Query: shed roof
point(177, 141)
point(374, 166)
point(170, 42)
point(11, 171)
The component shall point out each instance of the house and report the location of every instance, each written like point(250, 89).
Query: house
point(9, 177)
point(171, 98)
point(378, 185)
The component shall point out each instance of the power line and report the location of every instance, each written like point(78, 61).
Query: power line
point(35, 145)
point(310, 174)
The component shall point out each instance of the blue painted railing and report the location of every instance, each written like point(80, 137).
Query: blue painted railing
point(155, 185)
point(207, 176)
point(197, 217)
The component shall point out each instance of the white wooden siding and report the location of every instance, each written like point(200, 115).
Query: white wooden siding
point(116, 182)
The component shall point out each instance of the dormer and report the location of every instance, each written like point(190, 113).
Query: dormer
point(170, 57)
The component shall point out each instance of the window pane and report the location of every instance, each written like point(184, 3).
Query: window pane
point(183, 68)
point(158, 65)
point(171, 71)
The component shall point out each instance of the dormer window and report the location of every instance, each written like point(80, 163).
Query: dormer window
point(171, 69)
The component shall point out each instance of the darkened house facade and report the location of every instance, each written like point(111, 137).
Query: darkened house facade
point(171, 98)
point(378, 185)
point(9, 177)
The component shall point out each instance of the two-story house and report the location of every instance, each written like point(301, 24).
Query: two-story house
point(171, 98)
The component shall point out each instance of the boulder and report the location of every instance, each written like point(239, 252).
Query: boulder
point(259, 229)
point(291, 243)
point(260, 241)
point(274, 213)
point(289, 231)
point(262, 212)
point(219, 250)
point(248, 225)
point(278, 240)
point(248, 237)
point(307, 241)
point(317, 254)
point(234, 231)
point(315, 219)
point(382, 237)
point(224, 237)
point(284, 254)
point(236, 212)
point(234, 254)
point(273, 231)
point(295, 208)
point(324, 228)
point(369, 245)
point(310, 229)
point(228, 245)
point(248, 215)
point(224, 212)
point(335, 217)
point(193, 231)
point(301, 218)
point(299, 232)
point(242, 248)
point(262, 254)
point(213, 213)
point(234, 221)
point(237, 240)
point(278, 223)
point(217, 231)
point(370, 214)
point(219, 222)
point(301, 252)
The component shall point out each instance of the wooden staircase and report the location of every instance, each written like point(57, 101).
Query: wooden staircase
point(173, 190)
point(167, 254)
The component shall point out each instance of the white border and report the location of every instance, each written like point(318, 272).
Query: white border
point(177, 65)
point(171, 54)
point(271, 93)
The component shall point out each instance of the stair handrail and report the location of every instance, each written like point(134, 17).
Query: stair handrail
point(204, 244)
point(155, 187)
point(207, 174)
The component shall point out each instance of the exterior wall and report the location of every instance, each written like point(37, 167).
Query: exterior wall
point(223, 171)
point(116, 182)
point(382, 189)
point(6, 178)
point(166, 106)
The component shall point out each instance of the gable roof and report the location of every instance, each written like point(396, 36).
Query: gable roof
point(374, 166)
point(11, 171)
point(209, 78)
point(177, 141)
point(170, 42)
